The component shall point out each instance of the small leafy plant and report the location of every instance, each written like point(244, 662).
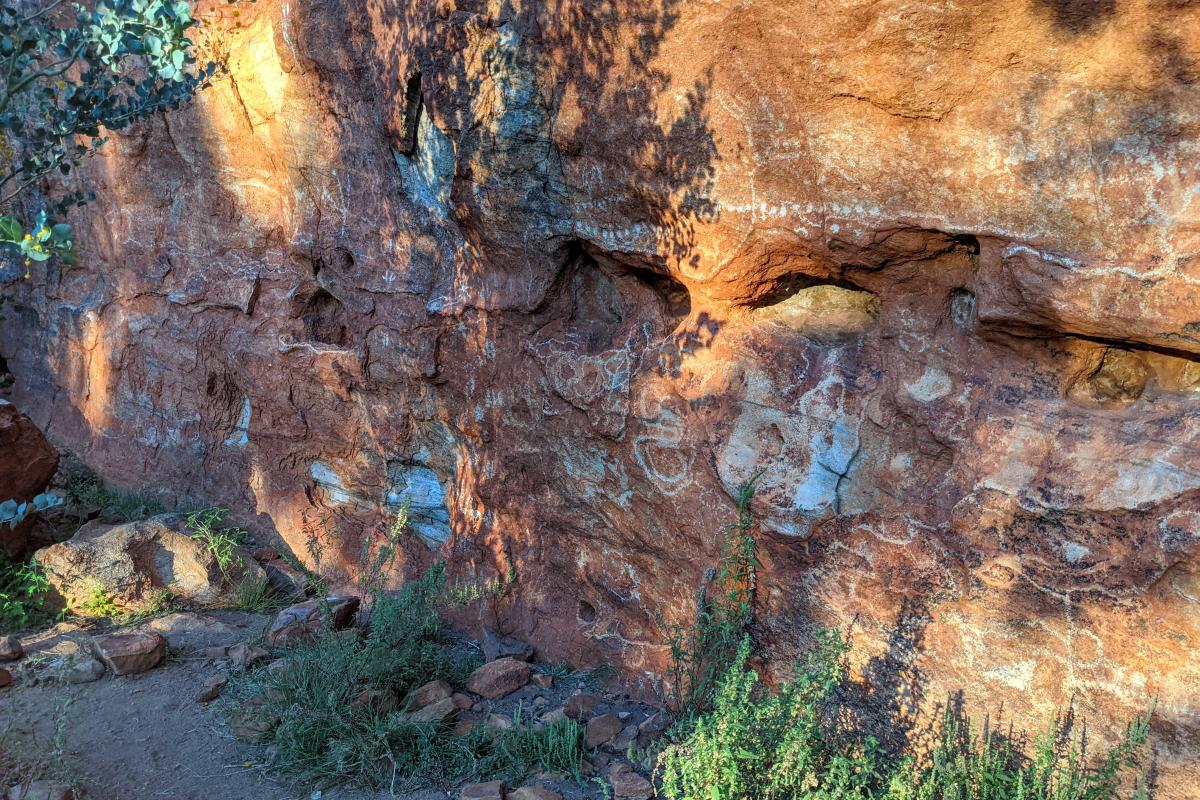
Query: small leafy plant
point(700, 655)
point(221, 542)
point(99, 603)
point(23, 588)
point(376, 562)
point(464, 593)
point(13, 513)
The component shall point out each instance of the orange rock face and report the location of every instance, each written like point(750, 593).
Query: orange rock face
point(564, 275)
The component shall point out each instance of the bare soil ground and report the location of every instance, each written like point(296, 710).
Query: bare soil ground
point(146, 736)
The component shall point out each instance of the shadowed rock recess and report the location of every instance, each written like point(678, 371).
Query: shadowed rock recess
point(565, 274)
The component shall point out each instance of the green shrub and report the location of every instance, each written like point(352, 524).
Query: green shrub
point(758, 745)
point(72, 75)
point(557, 747)
point(967, 766)
point(794, 744)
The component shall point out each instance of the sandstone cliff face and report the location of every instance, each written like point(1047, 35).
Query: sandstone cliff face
point(565, 274)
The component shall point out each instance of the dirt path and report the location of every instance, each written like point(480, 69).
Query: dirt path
point(136, 736)
point(146, 736)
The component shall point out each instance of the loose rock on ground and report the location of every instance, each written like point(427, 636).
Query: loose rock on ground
point(498, 678)
point(130, 653)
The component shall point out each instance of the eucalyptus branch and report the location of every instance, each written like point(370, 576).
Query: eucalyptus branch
point(4, 201)
point(43, 12)
point(49, 71)
point(64, 86)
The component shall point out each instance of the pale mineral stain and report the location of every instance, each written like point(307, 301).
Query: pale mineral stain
point(240, 437)
point(330, 481)
point(932, 384)
point(1074, 552)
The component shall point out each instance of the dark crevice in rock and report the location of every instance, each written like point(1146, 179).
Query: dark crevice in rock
point(324, 317)
point(597, 307)
point(675, 297)
point(1028, 330)
point(600, 300)
point(896, 246)
point(413, 107)
point(225, 403)
point(968, 242)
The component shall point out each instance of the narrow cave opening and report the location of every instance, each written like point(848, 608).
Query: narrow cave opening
point(791, 285)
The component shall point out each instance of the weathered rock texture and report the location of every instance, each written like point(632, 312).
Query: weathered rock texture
point(133, 564)
point(27, 463)
point(565, 274)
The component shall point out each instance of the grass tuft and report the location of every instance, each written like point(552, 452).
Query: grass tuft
point(256, 595)
point(89, 492)
point(323, 734)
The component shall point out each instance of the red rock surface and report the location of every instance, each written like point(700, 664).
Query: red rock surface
point(300, 623)
point(930, 265)
point(27, 463)
point(496, 679)
point(131, 653)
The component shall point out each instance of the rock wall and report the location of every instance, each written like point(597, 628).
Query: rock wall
point(565, 274)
